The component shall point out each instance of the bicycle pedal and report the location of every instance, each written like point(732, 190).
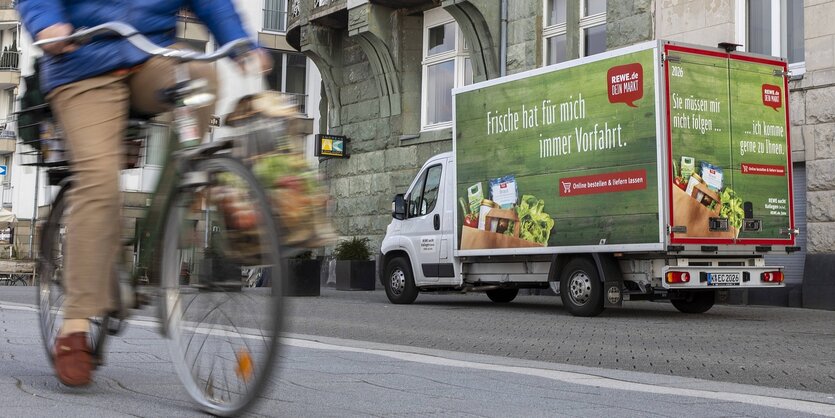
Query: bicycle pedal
point(195, 178)
point(116, 323)
point(142, 299)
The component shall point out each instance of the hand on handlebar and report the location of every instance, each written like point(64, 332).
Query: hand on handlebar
point(56, 31)
point(256, 60)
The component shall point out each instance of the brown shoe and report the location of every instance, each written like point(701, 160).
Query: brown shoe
point(73, 360)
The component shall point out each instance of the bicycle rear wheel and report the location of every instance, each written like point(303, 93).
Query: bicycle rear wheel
point(222, 335)
point(50, 272)
point(49, 280)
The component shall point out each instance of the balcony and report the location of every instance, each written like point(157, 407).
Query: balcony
point(275, 20)
point(8, 15)
point(190, 29)
point(299, 100)
point(8, 138)
point(9, 69)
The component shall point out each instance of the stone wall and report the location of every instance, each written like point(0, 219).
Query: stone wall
point(815, 97)
point(524, 30)
point(629, 22)
point(386, 151)
point(696, 21)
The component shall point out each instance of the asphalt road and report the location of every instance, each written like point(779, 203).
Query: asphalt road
point(777, 347)
point(765, 346)
point(321, 376)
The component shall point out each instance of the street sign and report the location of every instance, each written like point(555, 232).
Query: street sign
point(3, 170)
point(214, 121)
point(331, 146)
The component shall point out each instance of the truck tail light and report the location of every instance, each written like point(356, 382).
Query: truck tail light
point(772, 277)
point(678, 277)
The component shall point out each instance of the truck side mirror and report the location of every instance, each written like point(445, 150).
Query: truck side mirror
point(398, 207)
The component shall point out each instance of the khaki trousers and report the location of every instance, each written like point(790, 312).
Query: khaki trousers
point(93, 114)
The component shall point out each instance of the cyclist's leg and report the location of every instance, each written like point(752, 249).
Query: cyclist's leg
point(158, 74)
point(93, 114)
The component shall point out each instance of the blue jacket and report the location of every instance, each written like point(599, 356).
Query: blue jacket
point(156, 19)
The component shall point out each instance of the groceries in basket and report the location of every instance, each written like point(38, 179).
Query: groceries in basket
point(272, 144)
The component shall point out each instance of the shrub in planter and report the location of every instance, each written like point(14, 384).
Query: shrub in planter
point(354, 270)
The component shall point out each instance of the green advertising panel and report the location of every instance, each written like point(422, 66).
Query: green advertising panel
point(729, 148)
point(561, 158)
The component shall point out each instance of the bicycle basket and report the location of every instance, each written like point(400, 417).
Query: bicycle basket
point(269, 140)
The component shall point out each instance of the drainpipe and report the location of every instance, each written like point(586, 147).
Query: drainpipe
point(503, 41)
point(34, 220)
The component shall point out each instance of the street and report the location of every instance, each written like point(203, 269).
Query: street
point(354, 354)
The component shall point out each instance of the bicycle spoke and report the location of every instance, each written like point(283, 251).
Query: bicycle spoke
point(209, 322)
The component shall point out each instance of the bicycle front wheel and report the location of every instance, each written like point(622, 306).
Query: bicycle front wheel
point(222, 335)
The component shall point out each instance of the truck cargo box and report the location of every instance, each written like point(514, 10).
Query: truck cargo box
point(658, 147)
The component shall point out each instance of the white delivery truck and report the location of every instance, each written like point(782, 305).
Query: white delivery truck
point(657, 171)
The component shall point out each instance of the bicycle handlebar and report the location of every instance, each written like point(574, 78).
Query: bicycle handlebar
point(126, 31)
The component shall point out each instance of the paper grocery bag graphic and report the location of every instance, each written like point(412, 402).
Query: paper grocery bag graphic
point(477, 239)
point(688, 212)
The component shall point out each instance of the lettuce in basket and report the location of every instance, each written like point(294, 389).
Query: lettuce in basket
point(535, 224)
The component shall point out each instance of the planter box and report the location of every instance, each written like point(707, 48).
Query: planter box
point(302, 278)
point(218, 272)
point(355, 275)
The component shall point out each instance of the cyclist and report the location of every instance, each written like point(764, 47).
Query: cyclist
point(91, 88)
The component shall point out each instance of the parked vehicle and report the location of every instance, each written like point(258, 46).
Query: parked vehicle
point(657, 171)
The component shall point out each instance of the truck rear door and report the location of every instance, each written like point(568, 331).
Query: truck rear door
point(729, 148)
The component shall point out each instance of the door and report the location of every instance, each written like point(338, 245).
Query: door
point(422, 226)
point(729, 148)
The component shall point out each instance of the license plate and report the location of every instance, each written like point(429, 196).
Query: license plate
point(724, 279)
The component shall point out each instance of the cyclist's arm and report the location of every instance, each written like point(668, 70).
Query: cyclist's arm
point(221, 18)
point(38, 15)
point(225, 24)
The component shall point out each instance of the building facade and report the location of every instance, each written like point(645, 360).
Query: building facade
point(26, 191)
point(388, 68)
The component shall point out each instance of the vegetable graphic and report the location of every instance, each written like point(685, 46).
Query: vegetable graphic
point(535, 225)
point(731, 207)
point(470, 218)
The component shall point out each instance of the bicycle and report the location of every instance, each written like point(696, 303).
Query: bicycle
point(222, 336)
point(14, 280)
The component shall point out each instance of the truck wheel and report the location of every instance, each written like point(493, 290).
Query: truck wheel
point(580, 288)
point(695, 302)
point(399, 283)
point(502, 295)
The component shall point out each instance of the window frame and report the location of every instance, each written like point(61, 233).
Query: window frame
point(583, 22)
point(282, 81)
point(282, 17)
point(459, 55)
point(779, 32)
point(415, 203)
point(587, 22)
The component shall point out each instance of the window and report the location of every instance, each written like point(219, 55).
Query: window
point(275, 15)
point(424, 195)
point(591, 28)
point(556, 12)
point(773, 27)
point(289, 75)
point(156, 143)
point(446, 65)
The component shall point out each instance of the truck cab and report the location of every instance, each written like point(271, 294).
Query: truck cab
point(418, 246)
